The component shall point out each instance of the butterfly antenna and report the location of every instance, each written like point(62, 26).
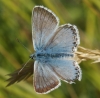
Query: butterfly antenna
point(23, 66)
point(23, 45)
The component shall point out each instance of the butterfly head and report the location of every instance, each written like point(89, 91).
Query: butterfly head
point(32, 56)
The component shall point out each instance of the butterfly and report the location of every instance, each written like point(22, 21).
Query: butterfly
point(55, 47)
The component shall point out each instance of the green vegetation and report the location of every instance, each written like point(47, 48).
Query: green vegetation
point(15, 22)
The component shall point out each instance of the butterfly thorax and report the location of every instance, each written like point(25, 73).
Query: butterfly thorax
point(51, 55)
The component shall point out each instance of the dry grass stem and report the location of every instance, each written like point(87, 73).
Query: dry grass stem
point(84, 54)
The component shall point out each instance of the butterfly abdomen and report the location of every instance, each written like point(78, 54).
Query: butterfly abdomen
point(54, 55)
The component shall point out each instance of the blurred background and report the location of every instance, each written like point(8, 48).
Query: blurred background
point(15, 22)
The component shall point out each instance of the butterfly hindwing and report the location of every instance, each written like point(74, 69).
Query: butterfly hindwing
point(67, 70)
point(45, 80)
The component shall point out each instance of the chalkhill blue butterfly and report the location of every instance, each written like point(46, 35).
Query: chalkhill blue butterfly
point(55, 47)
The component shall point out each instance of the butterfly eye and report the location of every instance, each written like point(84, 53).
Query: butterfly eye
point(32, 56)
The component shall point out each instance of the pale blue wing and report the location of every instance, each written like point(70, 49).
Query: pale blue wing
point(44, 25)
point(66, 39)
point(67, 70)
point(45, 80)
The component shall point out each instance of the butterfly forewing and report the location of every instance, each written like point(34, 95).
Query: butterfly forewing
point(45, 80)
point(66, 39)
point(44, 25)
